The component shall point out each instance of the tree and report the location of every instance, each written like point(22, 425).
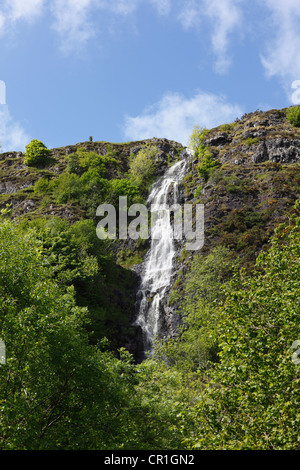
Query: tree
point(293, 115)
point(143, 165)
point(56, 390)
point(36, 153)
point(251, 400)
point(197, 137)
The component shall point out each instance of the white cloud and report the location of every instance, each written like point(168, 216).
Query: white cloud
point(282, 56)
point(190, 15)
point(13, 11)
point(225, 17)
point(74, 19)
point(122, 7)
point(71, 22)
point(24, 9)
point(174, 116)
point(163, 6)
point(12, 135)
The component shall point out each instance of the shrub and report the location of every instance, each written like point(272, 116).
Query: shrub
point(43, 186)
point(123, 187)
point(250, 141)
point(36, 153)
point(196, 139)
point(68, 188)
point(143, 165)
point(293, 115)
point(82, 161)
point(207, 164)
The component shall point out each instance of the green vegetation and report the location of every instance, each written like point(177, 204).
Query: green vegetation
point(196, 139)
point(90, 180)
point(36, 153)
point(250, 141)
point(293, 115)
point(207, 165)
point(143, 166)
point(207, 162)
point(227, 127)
point(226, 382)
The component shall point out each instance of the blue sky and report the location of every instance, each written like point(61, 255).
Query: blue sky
point(122, 70)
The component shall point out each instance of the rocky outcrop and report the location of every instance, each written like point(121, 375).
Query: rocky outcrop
point(278, 150)
point(257, 182)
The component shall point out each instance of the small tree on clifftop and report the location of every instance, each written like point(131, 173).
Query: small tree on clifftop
point(36, 153)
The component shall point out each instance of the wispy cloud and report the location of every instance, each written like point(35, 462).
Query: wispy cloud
point(71, 22)
point(74, 19)
point(163, 7)
point(282, 56)
point(223, 17)
point(226, 17)
point(25, 10)
point(12, 11)
point(175, 115)
point(12, 135)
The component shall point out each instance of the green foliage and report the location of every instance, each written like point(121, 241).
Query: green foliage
point(250, 141)
point(125, 188)
point(56, 390)
point(198, 190)
point(43, 186)
point(207, 164)
point(82, 161)
point(227, 127)
point(143, 165)
point(251, 401)
point(87, 182)
point(67, 187)
point(293, 115)
point(36, 153)
point(196, 139)
point(202, 291)
point(79, 259)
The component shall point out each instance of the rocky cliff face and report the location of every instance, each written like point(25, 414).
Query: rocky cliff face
point(17, 180)
point(256, 184)
point(245, 198)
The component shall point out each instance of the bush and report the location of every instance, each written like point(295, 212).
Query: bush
point(196, 139)
point(293, 115)
point(206, 165)
point(68, 187)
point(143, 165)
point(43, 186)
point(36, 153)
point(123, 187)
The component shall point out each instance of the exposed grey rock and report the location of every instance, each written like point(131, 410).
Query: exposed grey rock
point(218, 140)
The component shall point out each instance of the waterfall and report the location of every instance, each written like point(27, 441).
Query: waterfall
point(159, 261)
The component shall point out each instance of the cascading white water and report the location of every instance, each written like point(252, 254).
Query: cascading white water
point(158, 270)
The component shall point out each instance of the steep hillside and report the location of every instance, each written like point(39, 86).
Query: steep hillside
point(17, 180)
point(246, 175)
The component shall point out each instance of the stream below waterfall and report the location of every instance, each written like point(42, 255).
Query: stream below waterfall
point(159, 261)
